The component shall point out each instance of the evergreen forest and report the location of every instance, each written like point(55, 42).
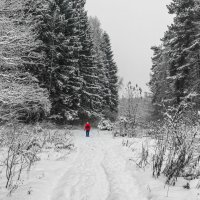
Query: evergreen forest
point(56, 63)
point(175, 77)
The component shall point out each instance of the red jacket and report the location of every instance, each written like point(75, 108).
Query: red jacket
point(87, 127)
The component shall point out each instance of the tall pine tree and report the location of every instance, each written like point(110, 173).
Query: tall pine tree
point(111, 69)
point(182, 35)
point(107, 69)
point(175, 68)
point(56, 26)
point(21, 98)
point(90, 98)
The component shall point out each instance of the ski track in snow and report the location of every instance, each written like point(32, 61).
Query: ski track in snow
point(98, 172)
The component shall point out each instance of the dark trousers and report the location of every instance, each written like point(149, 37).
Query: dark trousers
point(87, 133)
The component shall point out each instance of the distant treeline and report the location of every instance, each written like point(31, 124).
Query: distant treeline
point(55, 63)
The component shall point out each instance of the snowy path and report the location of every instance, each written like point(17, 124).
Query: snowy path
point(98, 172)
point(99, 169)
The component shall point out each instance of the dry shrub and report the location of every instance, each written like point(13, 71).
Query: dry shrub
point(143, 162)
point(60, 139)
point(176, 144)
point(22, 145)
point(124, 127)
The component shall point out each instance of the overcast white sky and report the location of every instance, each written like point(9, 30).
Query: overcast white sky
point(134, 26)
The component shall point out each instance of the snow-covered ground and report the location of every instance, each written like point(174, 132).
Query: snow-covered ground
point(99, 169)
point(98, 172)
point(155, 189)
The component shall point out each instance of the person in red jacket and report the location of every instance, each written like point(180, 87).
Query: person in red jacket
point(87, 129)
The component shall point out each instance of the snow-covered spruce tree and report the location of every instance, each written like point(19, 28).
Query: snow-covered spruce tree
point(182, 37)
point(21, 98)
point(193, 58)
point(107, 75)
point(56, 24)
point(90, 105)
point(103, 83)
point(96, 34)
point(159, 84)
point(100, 61)
point(175, 68)
point(111, 73)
